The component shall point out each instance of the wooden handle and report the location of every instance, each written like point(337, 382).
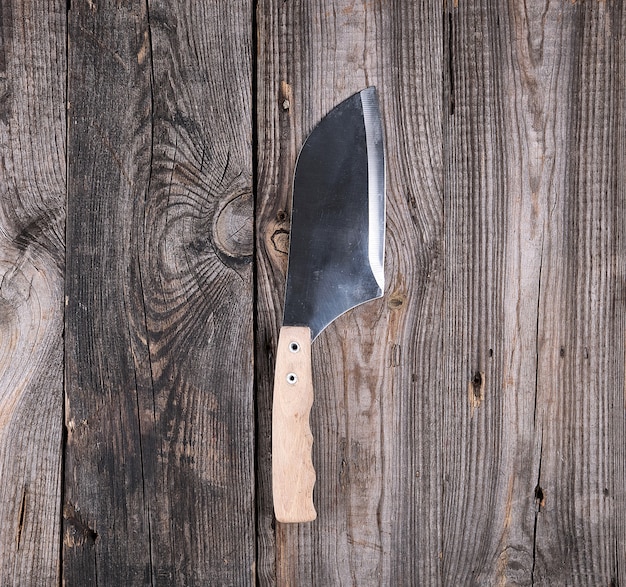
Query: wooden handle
point(293, 475)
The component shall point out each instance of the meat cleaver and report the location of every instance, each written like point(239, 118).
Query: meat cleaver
point(336, 252)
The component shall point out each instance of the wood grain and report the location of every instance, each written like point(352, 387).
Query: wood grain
point(311, 57)
point(469, 427)
point(576, 535)
point(32, 217)
point(159, 463)
point(489, 433)
point(531, 209)
point(196, 277)
point(413, 61)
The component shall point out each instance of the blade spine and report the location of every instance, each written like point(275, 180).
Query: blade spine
point(376, 182)
point(291, 199)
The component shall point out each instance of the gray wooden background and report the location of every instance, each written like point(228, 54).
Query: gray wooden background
point(469, 427)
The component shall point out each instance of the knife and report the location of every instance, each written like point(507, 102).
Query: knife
point(336, 253)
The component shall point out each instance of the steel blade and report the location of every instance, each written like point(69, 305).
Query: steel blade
point(337, 241)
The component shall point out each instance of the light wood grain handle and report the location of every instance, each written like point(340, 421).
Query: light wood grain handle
point(293, 475)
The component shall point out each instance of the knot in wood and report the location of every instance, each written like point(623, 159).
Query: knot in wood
point(280, 241)
point(285, 95)
point(77, 530)
point(396, 301)
point(233, 228)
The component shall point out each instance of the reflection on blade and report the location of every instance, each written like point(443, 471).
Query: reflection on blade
point(375, 183)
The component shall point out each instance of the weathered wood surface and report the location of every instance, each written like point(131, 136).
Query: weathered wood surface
point(375, 369)
point(32, 216)
point(469, 427)
point(533, 459)
point(470, 430)
point(159, 479)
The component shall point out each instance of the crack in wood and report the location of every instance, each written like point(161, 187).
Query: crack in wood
point(20, 524)
point(450, 48)
point(540, 501)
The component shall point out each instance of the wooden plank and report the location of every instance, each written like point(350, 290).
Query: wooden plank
point(375, 369)
point(32, 217)
point(412, 60)
point(197, 282)
point(489, 446)
point(578, 480)
point(534, 366)
point(618, 461)
point(159, 465)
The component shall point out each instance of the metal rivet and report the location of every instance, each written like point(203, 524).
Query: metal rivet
point(294, 347)
point(292, 378)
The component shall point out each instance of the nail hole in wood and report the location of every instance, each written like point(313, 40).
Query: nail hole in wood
point(540, 497)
